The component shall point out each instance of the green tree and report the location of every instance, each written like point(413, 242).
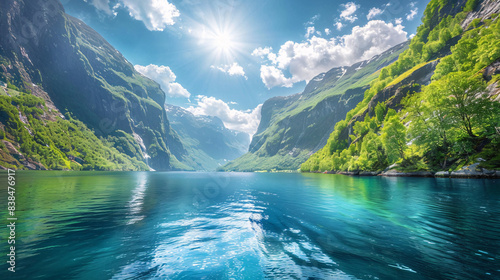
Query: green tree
point(394, 137)
point(466, 101)
point(430, 126)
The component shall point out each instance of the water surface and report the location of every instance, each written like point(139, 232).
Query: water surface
point(153, 225)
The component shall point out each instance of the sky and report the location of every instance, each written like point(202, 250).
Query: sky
point(225, 58)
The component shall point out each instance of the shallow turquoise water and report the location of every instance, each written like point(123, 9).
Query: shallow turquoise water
point(152, 225)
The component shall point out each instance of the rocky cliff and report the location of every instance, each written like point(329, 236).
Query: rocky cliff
point(294, 127)
point(435, 108)
point(62, 60)
point(208, 142)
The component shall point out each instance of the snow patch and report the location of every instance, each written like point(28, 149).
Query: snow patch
point(319, 78)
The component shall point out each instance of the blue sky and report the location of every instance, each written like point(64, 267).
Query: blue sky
point(226, 57)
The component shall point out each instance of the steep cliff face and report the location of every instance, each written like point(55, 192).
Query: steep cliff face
point(208, 142)
point(294, 127)
point(62, 60)
point(413, 116)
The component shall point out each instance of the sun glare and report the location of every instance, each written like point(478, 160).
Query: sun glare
point(222, 36)
point(223, 42)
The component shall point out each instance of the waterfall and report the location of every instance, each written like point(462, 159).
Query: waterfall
point(145, 155)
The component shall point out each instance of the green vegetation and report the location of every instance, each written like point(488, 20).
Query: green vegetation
point(449, 123)
point(83, 75)
point(209, 144)
point(298, 124)
point(39, 137)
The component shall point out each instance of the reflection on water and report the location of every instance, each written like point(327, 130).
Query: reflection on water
point(151, 225)
point(137, 201)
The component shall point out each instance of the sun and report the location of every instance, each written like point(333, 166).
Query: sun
point(222, 37)
point(223, 42)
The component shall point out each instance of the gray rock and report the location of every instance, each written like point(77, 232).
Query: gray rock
point(472, 167)
point(442, 174)
point(350, 173)
point(395, 173)
point(488, 172)
point(369, 173)
point(465, 173)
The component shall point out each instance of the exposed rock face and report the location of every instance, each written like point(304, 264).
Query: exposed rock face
point(395, 173)
point(308, 129)
point(484, 9)
point(208, 142)
point(62, 60)
point(294, 127)
point(393, 95)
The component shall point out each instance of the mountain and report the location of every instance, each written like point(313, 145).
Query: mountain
point(294, 127)
point(79, 77)
point(208, 142)
point(436, 108)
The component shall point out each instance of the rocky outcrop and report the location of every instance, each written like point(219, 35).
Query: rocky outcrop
point(396, 173)
point(294, 127)
point(484, 9)
point(393, 95)
point(473, 171)
point(64, 61)
point(208, 142)
point(19, 158)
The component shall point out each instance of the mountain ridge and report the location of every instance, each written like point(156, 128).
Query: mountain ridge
point(208, 142)
point(408, 121)
point(59, 58)
point(295, 126)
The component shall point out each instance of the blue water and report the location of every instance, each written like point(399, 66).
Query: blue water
point(152, 225)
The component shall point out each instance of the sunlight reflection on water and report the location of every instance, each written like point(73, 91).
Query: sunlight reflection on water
point(148, 225)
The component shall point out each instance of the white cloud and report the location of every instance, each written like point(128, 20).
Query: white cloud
point(265, 52)
point(272, 77)
point(313, 19)
point(349, 12)
point(373, 13)
point(310, 31)
point(231, 69)
point(262, 52)
point(233, 119)
point(412, 14)
point(306, 59)
point(155, 14)
point(177, 90)
point(327, 31)
point(338, 25)
point(398, 21)
point(165, 77)
point(102, 5)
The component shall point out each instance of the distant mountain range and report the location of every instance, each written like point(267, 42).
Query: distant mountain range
point(294, 127)
point(70, 101)
point(74, 70)
point(207, 141)
point(435, 109)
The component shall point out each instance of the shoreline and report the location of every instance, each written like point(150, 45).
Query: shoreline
point(460, 174)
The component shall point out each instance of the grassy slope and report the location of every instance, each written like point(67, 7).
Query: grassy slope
point(85, 76)
point(431, 39)
point(207, 142)
point(300, 104)
point(53, 142)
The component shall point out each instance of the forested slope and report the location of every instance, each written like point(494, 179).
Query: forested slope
point(51, 55)
point(436, 107)
point(293, 127)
